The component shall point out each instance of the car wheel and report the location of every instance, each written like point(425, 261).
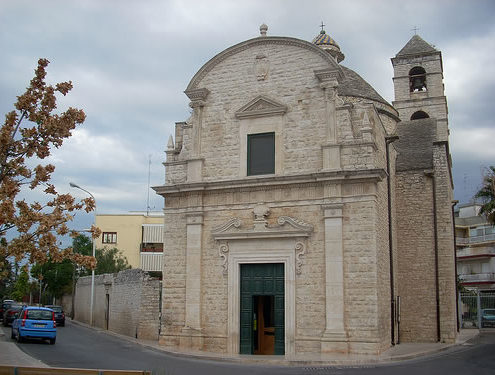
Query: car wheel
point(52, 341)
point(19, 338)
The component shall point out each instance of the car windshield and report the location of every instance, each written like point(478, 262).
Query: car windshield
point(39, 314)
point(490, 312)
point(57, 309)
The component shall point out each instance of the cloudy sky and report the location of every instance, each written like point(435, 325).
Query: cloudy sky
point(130, 62)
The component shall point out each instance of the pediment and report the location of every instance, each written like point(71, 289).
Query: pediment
point(261, 106)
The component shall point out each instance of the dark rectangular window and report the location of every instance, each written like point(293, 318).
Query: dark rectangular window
point(109, 237)
point(260, 154)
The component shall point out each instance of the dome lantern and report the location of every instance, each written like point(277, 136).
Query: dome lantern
point(324, 41)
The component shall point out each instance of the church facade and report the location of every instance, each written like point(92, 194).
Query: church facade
point(305, 213)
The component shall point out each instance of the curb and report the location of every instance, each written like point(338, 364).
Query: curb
point(287, 362)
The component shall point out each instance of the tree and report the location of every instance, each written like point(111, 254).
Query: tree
point(27, 136)
point(487, 195)
point(56, 276)
point(7, 279)
point(21, 286)
point(110, 261)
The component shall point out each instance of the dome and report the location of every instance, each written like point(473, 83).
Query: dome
point(324, 41)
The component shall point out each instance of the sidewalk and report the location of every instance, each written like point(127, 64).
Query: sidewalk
point(11, 355)
point(397, 353)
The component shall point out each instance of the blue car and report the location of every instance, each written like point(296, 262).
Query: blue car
point(35, 322)
point(488, 318)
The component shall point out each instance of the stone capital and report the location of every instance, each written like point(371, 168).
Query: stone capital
point(329, 77)
point(194, 218)
point(197, 94)
point(333, 210)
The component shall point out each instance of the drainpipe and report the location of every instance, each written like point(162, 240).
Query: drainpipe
point(431, 173)
point(388, 141)
point(455, 266)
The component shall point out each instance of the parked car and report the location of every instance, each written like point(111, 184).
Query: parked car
point(10, 314)
point(5, 306)
point(487, 318)
point(59, 314)
point(35, 322)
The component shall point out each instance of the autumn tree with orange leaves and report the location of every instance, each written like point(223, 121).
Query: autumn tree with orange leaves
point(27, 136)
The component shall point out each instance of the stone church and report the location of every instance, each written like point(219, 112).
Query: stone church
point(303, 212)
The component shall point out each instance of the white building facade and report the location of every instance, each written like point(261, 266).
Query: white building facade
point(281, 205)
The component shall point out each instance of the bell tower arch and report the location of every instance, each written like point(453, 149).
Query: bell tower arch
point(418, 84)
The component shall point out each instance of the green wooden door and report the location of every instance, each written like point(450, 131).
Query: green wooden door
point(262, 280)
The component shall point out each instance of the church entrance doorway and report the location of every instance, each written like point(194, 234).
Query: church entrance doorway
point(262, 309)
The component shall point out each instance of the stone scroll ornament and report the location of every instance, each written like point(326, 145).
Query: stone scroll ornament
point(300, 251)
point(224, 251)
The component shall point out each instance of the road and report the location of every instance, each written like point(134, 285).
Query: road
point(79, 346)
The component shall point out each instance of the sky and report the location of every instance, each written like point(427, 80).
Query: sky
point(130, 62)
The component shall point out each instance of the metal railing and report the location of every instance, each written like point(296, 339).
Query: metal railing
point(475, 239)
point(478, 277)
point(472, 308)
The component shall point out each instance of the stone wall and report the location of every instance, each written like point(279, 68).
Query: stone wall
point(416, 258)
point(126, 303)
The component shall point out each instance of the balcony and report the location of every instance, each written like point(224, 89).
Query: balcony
point(151, 261)
point(475, 239)
point(487, 277)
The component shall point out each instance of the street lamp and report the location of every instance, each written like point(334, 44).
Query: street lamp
point(94, 251)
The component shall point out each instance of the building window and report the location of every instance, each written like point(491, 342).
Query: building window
point(109, 237)
point(419, 115)
point(260, 154)
point(417, 79)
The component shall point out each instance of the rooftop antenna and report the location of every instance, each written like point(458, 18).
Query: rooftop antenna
point(415, 29)
point(149, 177)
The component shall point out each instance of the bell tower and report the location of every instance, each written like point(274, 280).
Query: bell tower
point(418, 85)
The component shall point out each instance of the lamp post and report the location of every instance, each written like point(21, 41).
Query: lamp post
point(94, 253)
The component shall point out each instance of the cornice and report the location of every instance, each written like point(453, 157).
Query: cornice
point(371, 175)
point(277, 40)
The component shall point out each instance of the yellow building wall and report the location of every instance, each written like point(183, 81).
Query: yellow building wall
point(129, 232)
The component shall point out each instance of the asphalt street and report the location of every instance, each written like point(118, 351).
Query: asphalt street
point(79, 346)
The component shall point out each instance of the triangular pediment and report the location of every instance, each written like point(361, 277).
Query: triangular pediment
point(261, 106)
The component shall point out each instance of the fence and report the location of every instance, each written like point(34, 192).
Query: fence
point(477, 310)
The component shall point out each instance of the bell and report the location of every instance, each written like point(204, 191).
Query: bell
point(418, 84)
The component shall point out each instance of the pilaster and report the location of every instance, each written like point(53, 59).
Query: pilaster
point(194, 231)
point(334, 338)
point(329, 81)
point(198, 102)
